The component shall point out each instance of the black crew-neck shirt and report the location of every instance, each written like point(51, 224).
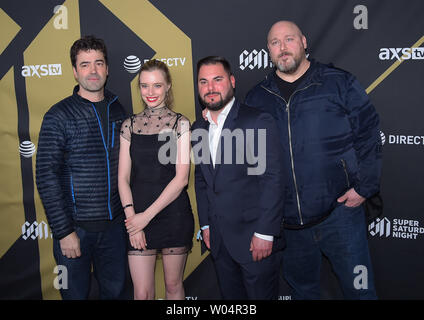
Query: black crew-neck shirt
point(101, 108)
point(287, 88)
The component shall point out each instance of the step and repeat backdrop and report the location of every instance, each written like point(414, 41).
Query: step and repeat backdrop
point(380, 41)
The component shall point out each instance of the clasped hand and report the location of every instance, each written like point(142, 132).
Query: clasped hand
point(135, 225)
point(138, 240)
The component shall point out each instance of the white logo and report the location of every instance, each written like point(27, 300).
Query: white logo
point(361, 280)
point(35, 230)
point(132, 64)
point(61, 19)
point(383, 138)
point(361, 20)
point(401, 54)
point(61, 281)
point(27, 149)
point(255, 59)
point(397, 228)
point(402, 139)
point(380, 227)
point(42, 70)
point(245, 141)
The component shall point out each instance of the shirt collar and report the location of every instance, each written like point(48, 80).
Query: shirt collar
point(223, 114)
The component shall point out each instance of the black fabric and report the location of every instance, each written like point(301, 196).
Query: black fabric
point(101, 108)
point(374, 206)
point(99, 226)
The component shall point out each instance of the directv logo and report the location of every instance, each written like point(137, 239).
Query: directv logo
point(132, 64)
point(402, 139)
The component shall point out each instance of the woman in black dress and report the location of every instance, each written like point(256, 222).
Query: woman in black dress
point(154, 166)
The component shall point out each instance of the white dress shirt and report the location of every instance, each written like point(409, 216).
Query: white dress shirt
point(215, 130)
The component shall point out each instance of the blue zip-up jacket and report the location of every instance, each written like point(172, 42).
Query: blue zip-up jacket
point(77, 163)
point(330, 135)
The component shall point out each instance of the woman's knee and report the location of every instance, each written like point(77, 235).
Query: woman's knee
point(173, 286)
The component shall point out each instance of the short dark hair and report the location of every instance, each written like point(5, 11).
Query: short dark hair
point(215, 60)
point(85, 44)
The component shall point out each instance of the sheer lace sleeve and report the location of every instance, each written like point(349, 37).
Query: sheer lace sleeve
point(126, 129)
point(155, 121)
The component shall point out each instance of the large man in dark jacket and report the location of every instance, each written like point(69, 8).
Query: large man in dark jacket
point(239, 186)
point(329, 133)
point(76, 174)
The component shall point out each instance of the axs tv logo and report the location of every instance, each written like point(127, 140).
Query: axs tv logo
point(42, 70)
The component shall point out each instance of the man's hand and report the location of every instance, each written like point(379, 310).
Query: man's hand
point(70, 246)
point(260, 248)
point(352, 198)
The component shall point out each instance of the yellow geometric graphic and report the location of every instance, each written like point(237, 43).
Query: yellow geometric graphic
point(11, 217)
point(50, 47)
point(8, 28)
point(392, 68)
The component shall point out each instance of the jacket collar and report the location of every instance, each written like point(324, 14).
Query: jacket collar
point(232, 115)
point(315, 76)
point(224, 113)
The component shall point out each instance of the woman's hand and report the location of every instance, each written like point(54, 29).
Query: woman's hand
point(138, 240)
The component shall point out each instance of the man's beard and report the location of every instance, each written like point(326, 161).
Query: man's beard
point(217, 105)
point(92, 87)
point(291, 67)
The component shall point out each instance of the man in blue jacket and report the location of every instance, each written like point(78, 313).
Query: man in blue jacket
point(76, 174)
point(239, 186)
point(329, 134)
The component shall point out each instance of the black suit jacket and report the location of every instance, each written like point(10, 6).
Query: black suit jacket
point(233, 199)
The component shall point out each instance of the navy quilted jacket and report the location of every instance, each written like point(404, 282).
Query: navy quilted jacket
point(329, 132)
point(77, 163)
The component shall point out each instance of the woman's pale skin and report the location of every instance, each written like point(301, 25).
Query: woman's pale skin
point(153, 89)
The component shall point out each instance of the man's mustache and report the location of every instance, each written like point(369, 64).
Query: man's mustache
point(211, 93)
point(285, 53)
point(94, 76)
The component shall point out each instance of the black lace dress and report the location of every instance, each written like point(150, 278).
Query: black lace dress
point(171, 230)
